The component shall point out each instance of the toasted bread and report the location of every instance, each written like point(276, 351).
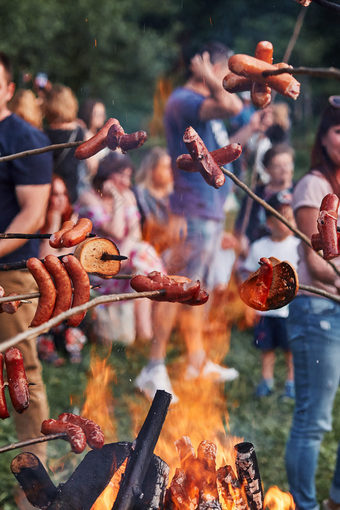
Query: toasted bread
point(90, 252)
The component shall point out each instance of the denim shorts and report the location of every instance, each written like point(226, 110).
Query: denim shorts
point(271, 333)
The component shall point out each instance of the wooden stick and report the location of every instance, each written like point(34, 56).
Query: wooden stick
point(320, 292)
point(295, 35)
point(277, 215)
point(29, 295)
point(329, 5)
point(34, 152)
point(46, 326)
point(13, 235)
point(320, 72)
point(21, 264)
point(35, 440)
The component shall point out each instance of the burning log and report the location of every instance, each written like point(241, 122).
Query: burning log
point(206, 455)
point(248, 474)
point(131, 489)
point(178, 497)
point(34, 480)
point(230, 490)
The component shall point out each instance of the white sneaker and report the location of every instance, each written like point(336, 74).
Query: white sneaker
point(152, 379)
point(213, 371)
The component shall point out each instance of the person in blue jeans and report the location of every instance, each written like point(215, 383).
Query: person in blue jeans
point(313, 325)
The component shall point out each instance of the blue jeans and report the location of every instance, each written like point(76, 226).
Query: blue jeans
point(314, 339)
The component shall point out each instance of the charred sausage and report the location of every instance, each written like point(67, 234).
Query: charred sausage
point(17, 380)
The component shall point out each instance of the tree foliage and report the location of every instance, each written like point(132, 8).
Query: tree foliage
point(117, 50)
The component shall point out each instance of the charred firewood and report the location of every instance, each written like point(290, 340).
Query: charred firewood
point(34, 480)
point(154, 486)
point(206, 455)
point(131, 490)
point(90, 478)
point(249, 475)
point(185, 451)
point(178, 497)
point(229, 489)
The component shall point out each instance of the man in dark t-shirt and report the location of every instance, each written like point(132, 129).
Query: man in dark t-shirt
point(24, 194)
point(198, 215)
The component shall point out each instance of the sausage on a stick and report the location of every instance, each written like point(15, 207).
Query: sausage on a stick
point(81, 287)
point(77, 234)
point(55, 239)
point(261, 94)
point(47, 291)
point(75, 434)
point(62, 284)
point(93, 433)
point(96, 143)
point(3, 404)
point(17, 380)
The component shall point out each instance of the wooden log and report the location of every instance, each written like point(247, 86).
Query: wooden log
point(249, 475)
point(131, 489)
point(229, 489)
point(34, 480)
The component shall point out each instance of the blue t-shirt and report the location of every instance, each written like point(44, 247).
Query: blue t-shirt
point(16, 135)
point(192, 196)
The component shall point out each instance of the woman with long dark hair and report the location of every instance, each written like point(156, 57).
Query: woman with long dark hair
point(314, 324)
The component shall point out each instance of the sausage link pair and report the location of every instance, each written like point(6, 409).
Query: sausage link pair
point(177, 288)
point(251, 67)
point(81, 287)
point(117, 137)
point(17, 380)
point(96, 143)
point(93, 433)
point(74, 433)
point(209, 169)
point(71, 233)
point(48, 293)
point(62, 284)
point(221, 156)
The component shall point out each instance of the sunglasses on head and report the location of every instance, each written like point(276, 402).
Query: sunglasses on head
point(334, 101)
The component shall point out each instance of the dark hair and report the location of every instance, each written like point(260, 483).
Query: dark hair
point(5, 61)
point(86, 110)
point(114, 162)
point(216, 50)
point(319, 158)
point(280, 148)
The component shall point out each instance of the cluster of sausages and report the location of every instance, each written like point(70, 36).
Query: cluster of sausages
point(78, 430)
point(207, 163)
point(177, 289)
point(111, 135)
point(55, 279)
point(247, 74)
point(17, 382)
point(71, 233)
point(328, 238)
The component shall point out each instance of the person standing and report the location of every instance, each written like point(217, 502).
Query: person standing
point(24, 194)
point(313, 324)
point(196, 224)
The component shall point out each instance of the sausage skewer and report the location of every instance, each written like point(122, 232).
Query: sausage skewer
point(21, 264)
point(28, 442)
point(16, 235)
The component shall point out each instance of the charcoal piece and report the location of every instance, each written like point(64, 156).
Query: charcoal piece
point(90, 478)
point(249, 475)
point(34, 480)
point(154, 486)
point(210, 505)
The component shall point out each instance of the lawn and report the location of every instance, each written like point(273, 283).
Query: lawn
point(264, 422)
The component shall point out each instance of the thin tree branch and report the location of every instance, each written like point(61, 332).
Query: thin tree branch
point(46, 326)
point(35, 440)
point(295, 35)
point(277, 215)
point(41, 150)
point(329, 5)
point(320, 292)
point(321, 72)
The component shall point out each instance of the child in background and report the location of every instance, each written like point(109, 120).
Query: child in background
point(271, 330)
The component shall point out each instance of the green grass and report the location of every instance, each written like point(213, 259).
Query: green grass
point(264, 422)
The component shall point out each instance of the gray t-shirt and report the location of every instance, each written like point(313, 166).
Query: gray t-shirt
point(309, 192)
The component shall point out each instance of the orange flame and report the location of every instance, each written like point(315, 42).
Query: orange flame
point(109, 494)
point(275, 499)
point(98, 404)
point(162, 92)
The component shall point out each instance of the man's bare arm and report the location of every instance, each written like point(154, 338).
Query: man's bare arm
point(220, 103)
point(33, 200)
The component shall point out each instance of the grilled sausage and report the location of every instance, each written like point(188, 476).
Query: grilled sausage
point(77, 234)
point(55, 239)
point(75, 434)
point(62, 284)
point(47, 291)
point(17, 380)
point(81, 287)
point(3, 404)
point(93, 433)
point(96, 143)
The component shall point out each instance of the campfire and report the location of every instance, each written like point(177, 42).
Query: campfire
point(124, 476)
